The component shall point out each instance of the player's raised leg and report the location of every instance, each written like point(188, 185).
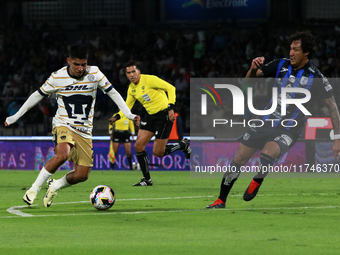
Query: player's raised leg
point(242, 156)
point(33, 191)
point(62, 152)
point(183, 145)
point(160, 149)
point(269, 153)
point(80, 174)
point(81, 154)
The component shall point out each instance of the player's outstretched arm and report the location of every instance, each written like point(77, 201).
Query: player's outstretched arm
point(335, 118)
point(117, 98)
point(33, 99)
point(255, 70)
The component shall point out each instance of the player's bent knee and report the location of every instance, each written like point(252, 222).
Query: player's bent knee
point(158, 153)
point(82, 178)
point(272, 149)
point(240, 160)
point(60, 158)
point(271, 154)
point(139, 148)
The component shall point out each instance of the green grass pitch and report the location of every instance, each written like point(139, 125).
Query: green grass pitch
point(289, 216)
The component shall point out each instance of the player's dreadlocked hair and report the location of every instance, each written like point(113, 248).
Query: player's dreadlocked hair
point(308, 43)
point(79, 51)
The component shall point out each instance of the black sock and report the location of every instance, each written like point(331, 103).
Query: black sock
point(228, 181)
point(144, 164)
point(112, 165)
point(170, 148)
point(266, 161)
point(182, 145)
point(129, 158)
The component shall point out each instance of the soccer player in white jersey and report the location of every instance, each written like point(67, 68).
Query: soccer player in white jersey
point(76, 87)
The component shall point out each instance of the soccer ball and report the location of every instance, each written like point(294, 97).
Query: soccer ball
point(102, 197)
point(135, 166)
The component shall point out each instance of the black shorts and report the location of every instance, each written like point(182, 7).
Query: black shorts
point(121, 136)
point(257, 137)
point(157, 123)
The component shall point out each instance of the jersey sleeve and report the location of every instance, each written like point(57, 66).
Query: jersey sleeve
point(49, 87)
point(103, 82)
point(163, 85)
point(322, 89)
point(269, 69)
point(130, 101)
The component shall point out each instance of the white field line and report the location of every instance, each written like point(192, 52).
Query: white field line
point(184, 210)
point(16, 209)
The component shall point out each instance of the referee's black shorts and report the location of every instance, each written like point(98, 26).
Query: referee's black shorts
point(157, 123)
point(121, 136)
point(257, 137)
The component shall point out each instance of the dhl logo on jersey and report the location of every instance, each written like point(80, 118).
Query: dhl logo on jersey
point(76, 87)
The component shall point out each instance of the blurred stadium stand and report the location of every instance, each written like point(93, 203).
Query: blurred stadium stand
point(35, 36)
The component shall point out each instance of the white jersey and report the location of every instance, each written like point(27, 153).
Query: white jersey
point(75, 98)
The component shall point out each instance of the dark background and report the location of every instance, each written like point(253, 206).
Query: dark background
point(34, 42)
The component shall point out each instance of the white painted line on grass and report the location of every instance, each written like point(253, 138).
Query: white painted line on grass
point(177, 211)
point(16, 209)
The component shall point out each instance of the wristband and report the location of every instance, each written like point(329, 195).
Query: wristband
point(337, 136)
point(171, 107)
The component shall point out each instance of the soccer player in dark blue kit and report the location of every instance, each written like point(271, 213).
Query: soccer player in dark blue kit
point(273, 139)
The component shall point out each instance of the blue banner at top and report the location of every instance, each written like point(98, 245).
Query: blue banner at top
point(200, 10)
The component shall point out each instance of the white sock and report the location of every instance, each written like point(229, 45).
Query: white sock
point(43, 176)
point(61, 183)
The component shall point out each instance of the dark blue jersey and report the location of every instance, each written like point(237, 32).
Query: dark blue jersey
point(308, 77)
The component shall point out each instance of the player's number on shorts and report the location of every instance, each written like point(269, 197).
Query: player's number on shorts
point(78, 107)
